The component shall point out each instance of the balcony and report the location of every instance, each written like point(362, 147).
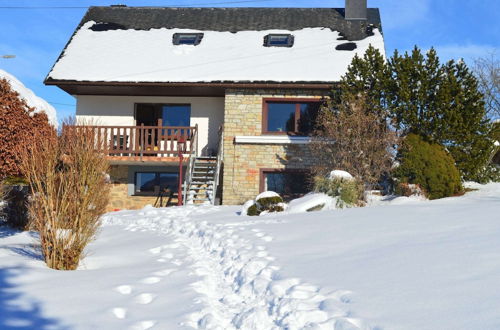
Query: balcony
point(142, 143)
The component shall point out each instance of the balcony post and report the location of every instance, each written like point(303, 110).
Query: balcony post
point(179, 186)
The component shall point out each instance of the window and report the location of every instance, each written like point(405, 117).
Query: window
point(170, 114)
point(290, 117)
point(187, 38)
point(288, 183)
point(278, 40)
point(151, 183)
point(176, 114)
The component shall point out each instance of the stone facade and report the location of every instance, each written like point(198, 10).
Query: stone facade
point(243, 162)
point(119, 197)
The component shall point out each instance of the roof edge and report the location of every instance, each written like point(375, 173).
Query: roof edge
point(223, 84)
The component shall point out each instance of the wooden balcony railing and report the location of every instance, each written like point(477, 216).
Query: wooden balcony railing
point(134, 141)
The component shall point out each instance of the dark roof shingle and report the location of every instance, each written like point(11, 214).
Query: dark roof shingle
point(232, 19)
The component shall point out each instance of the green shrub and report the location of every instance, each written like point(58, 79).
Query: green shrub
point(15, 206)
point(269, 204)
point(428, 165)
point(253, 210)
point(15, 181)
point(490, 173)
point(348, 192)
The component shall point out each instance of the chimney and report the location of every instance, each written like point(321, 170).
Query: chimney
point(356, 10)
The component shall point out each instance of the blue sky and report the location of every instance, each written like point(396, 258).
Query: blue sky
point(456, 28)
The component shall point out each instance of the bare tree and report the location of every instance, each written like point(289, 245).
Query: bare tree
point(487, 70)
point(352, 137)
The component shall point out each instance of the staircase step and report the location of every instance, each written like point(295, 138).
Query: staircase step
point(199, 193)
point(200, 183)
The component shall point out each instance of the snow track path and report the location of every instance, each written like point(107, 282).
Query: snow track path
point(240, 285)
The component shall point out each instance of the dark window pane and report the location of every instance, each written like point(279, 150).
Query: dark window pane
point(176, 115)
point(288, 184)
point(145, 182)
point(308, 115)
point(279, 40)
point(281, 117)
point(169, 181)
point(187, 38)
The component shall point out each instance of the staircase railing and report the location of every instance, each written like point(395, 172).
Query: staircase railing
point(220, 157)
point(189, 172)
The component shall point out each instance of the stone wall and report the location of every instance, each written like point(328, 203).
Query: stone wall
point(119, 197)
point(243, 162)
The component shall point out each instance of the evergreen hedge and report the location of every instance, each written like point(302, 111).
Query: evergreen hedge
point(428, 165)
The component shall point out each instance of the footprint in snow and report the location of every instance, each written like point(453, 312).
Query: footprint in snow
point(164, 272)
point(267, 238)
point(144, 298)
point(177, 262)
point(124, 289)
point(151, 280)
point(119, 312)
point(143, 325)
point(156, 250)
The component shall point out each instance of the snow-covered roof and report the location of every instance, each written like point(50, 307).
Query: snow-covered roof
point(120, 45)
point(33, 101)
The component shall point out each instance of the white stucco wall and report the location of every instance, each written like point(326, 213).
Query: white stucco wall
point(207, 112)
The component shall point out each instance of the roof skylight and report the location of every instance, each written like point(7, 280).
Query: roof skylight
point(187, 38)
point(278, 40)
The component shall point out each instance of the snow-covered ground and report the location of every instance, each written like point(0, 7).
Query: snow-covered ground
point(402, 264)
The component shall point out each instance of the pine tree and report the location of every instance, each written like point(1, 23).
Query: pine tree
point(422, 96)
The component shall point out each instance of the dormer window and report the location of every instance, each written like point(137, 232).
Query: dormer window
point(187, 38)
point(278, 40)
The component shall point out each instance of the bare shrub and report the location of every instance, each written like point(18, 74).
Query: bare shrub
point(487, 70)
point(69, 194)
point(354, 138)
point(409, 189)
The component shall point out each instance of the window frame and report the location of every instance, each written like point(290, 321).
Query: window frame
point(263, 171)
point(176, 37)
point(155, 192)
point(267, 40)
point(297, 101)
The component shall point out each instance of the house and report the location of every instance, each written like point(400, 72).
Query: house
point(210, 104)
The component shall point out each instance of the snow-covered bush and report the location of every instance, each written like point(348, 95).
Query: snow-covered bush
point(266, 202)
point(341, 185)
point(312, 202)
